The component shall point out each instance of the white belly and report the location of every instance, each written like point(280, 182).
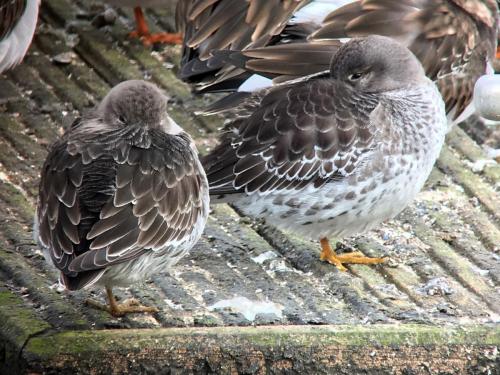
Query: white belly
point(343, 209)
point(139, 269)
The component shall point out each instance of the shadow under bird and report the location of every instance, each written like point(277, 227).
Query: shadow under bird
point(18, 20)
point(337, 153)
point(122, 194)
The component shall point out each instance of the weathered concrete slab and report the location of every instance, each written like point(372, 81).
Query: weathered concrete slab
point(434, 308)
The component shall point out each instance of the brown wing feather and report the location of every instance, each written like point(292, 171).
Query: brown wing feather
point(227, 25)
point(453, 39)
point(10, 13)
point(62, 220)
point(296, 135)
point(105, 203)
point(285, 61)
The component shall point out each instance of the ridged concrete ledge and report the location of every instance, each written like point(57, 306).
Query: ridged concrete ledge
point(433, 309)
point(342, 349)
point(29, 345)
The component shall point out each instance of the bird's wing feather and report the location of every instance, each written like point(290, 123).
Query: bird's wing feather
point(153, 199)
point(453, 39)
point(216, 25)
point(292, 136)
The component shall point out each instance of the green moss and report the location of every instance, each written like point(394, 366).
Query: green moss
point(459, 266)
point(87, 79)
point(59, 10)
point(76, 343)
point(14, 198)
point(64, 87)
point(24, 275)
point(206, 320)
point(17, 321)
point(12, 131)
point(110, 63)
point(461, 142)
point(472, 183)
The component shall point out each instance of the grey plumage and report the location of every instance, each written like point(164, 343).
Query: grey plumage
point(122, 194)
point(333, 154)
point(453, 39)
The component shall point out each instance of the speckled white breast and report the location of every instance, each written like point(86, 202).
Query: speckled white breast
point(391, 177)
point(16, 44)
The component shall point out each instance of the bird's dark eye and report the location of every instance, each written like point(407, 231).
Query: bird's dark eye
point(121, 119)
point(355, 76)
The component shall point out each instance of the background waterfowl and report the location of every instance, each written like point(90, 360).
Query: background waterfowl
point(454, 40)
point(216, 25)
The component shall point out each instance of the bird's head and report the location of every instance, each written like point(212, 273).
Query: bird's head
point(376, 64)
point(137, 103)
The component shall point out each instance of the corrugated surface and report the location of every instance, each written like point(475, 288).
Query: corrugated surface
point(444, 249)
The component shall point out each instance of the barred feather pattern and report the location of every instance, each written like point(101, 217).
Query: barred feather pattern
point(322, 160)
point(216, 25)
point(454, 40)
point(118, 205)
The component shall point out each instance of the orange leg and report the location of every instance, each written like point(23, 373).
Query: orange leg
point(356, 257)
point(120, 309)
point(142, 28)
point(142, 32)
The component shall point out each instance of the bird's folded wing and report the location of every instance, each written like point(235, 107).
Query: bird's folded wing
point(156, 201)
point(306, 133)
point(452, 40)
point(282, 62)
point(58, 211)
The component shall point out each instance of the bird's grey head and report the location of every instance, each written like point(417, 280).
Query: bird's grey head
point(136, 103)
point(376, 64)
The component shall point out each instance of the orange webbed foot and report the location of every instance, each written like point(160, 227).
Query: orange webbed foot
point(165, 38)
point(130, 306)
point(356, 257)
